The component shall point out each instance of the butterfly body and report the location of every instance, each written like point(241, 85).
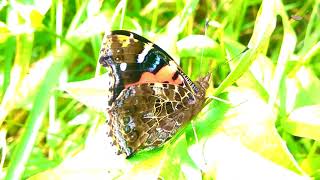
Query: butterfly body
point(150, 98)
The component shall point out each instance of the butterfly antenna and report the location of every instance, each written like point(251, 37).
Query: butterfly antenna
point(202, 50)
point(228, 61)
point(124, 5)
point(195, 132)
point(224, 101)
point(218, 99)
point(237, 56)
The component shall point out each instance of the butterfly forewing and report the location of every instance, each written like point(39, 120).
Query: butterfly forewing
point(133, 59)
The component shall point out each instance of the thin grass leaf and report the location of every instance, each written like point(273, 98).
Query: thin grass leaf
point(265, 24)
point(312, 36)
point(18, 72)
point(304, 122)
point(33, 123)
point(287, 49)
point(8, 56)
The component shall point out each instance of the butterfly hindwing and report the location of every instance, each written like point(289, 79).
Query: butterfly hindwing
point(147, 115)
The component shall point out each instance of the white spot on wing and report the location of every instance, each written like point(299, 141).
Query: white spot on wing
point(147, 47)
point(157, 88)
point(123, 66)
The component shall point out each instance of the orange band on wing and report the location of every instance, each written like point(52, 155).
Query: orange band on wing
point(165, 74)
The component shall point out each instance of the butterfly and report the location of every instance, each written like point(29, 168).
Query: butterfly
point(149, 97)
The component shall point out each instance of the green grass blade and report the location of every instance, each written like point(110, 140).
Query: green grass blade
point(8, 64)
point(312, 34)
point(22, 151)
point(263, 29)
point(18, 71)
point(287, 49)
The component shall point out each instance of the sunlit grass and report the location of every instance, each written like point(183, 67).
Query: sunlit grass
point(263, 56)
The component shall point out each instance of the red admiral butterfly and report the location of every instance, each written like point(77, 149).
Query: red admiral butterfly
point(149, 97)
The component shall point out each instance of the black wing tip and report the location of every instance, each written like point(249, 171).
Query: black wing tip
point(129, 33)
point(140, 38)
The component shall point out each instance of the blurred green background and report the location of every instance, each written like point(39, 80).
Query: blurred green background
point(263, 54)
